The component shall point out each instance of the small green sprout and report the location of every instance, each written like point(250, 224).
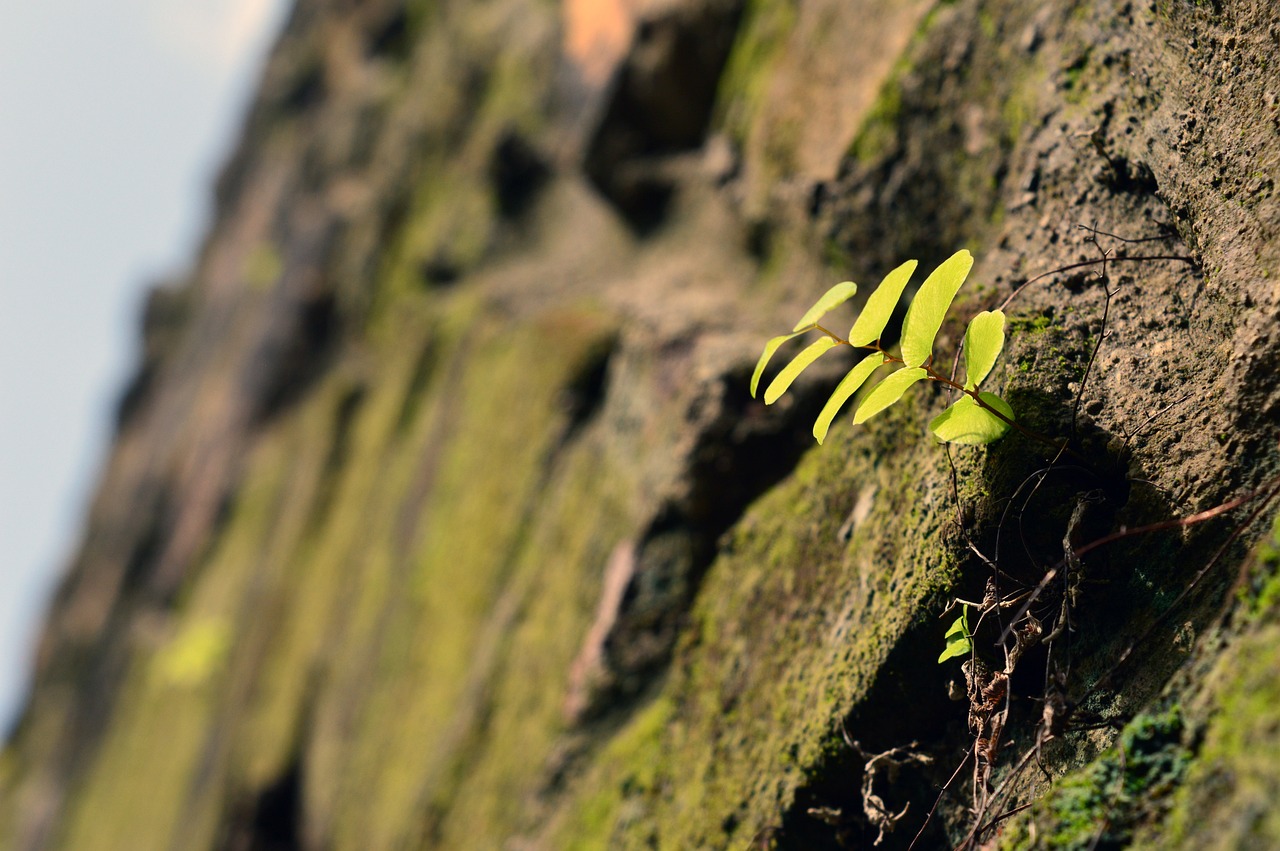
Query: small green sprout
point(977, 417)
point(959, 639)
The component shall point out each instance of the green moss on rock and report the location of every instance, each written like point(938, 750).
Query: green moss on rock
point(1229, 800)
point(1101, 805)
point(789, 633)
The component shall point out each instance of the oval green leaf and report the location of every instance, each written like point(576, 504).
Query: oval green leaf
point(983, 343)
point(959, 646)
point(880, 304)
point(789, 372)
point(769, 348)
point(929, 307)
point(959, 639)
point(833, 298)
point(960, 627)
point(846, 388)
point(886, 393)
point(965, 422)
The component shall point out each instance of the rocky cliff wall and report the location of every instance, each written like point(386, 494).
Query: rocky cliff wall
point(439, 514)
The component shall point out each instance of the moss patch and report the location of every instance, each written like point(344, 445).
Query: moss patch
point(1230, 794)
point(763, 33)
point(766, 670)
point(1102, 805)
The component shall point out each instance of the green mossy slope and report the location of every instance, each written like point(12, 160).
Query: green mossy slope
point(440, 515)
point(354, 617)
point(792, 629)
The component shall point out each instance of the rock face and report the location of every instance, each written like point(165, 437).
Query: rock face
point(439, 514)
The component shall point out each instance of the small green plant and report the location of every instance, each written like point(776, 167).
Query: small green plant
point(959, 638)
point(977, 417)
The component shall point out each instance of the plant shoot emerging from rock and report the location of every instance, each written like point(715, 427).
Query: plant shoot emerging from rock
point(959, 638)
point(977, 417)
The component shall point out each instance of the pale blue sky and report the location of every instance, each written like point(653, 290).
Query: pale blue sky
point(114, 119)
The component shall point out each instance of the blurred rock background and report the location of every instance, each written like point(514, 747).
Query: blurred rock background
point(438, 514)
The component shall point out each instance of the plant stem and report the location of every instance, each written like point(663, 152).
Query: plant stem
point(1061, 448)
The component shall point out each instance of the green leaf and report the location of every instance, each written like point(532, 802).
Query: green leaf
point(961, 646)
point(833, 298)
point(966, 422)
point(983, 343)
point(789, 372)
point(929, 307)
point(880, 304)
point(886, 393)
point(846, 388)
point(959, 639)
point(769, 348)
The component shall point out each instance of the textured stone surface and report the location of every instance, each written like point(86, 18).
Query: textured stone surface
point(439, 515)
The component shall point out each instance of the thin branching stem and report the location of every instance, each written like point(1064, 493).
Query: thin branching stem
point(979, 826)
point(1086, 264)
point(1102, 332)
point(941, 792)
point(1270, 490)
point(934, 375)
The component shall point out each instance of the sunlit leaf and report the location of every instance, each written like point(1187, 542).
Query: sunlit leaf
point(959, 639)
point(846, 388)
point(966, 422)
point(789, 372)
point(982, 345)
point(769, 348)
point(929, 307)
point(957, 646)
point(833, 298)
point(886, 393)
point(880, 304)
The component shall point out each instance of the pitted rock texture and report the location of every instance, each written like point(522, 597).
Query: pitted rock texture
point(439, 514)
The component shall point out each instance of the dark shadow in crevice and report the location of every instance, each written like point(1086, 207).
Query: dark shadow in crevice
point(440, 272)
point(391, 39)
point(517, 171)
point(303, 331)
point(305, 92)
point(292, 361)
point(270, 820)
point(661, 105)
point(916, 702)
point(907, 703)
point(585, 391)
point(157, 518)
point(740, 452)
